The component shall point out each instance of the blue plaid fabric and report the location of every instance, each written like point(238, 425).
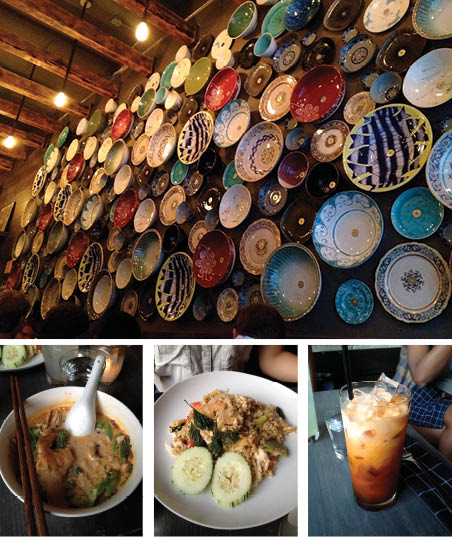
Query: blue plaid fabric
point(428, 407)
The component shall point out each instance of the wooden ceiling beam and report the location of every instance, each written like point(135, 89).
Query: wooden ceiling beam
point(16, 45)
point(29, 117)
point(52, 15)
point(16, 153)
point(28, 138)
point(163, 18)
point(6, 165)
point(38, 92)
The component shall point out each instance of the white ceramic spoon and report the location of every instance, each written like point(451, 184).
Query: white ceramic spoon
point(81, 419)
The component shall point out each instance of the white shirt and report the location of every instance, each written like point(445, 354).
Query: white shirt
point(175, 363)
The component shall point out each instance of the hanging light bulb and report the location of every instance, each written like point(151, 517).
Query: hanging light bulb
point(60, 99)
point(9, 142)
point(142, 31)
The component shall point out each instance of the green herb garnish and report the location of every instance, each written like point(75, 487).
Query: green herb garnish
point(35, 435)
point(176, 428)
point(229, 437)
point(215, 446)
point(201, 420)
point(195, 435)
point(60, 440)
point(280, 413)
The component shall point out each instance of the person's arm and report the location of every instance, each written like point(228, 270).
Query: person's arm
point(277, 363)
point(426, 364)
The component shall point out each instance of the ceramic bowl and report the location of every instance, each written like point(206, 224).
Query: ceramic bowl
point(45, 217)
point(243, 21)
point(297, 220)
point(297, 139)
point(73, 149)
point(167, 74)
point(400, 50)
point(225, 59)
point(184, 213)
point(91, 212)
point(123, 179)
point(168, 207)
point(180, 72)
point(347, 229)
point(154, 121)
point(432, 19)
point(110, 106)
point(147, 254)
point(77, 246)
point(182, 52)
point(172, 238)
point(30, 272)
point(195, 137)
point(293, 169)
point(107, 405)
point(145, 216)
point(273, 22)
point(98, 181)
point(426, 83)
point(386, 87)
point(317, 94)
point(257, 79)
point(21, 246)
point(291, 281)
point(73, 207)
point(39, 181)
point(359, 105)
point(354, 302)
point(123, 274)
point(266, 45)
point(299, 13)
point(321, 51)
point(173, 101)
point(116, 157)
point(96, 123)
point(328, 140)
point(341, 14)
point(213, 259)
point(140, 149)
point(259, 151)
point(287, 55)
point(129, 302)
point(101, 295)
point(246, 57)
point(115, 240)
point(381, 15)
point(222, 42)
point(104, 149)
point(209, 162)
point(82, 127)
point(258, 241)
point(57, 238)
point(198, 76)
point(232, 123)
point(49, 192)
point(161, 95)
point(50, 297)
point(147, 104)
point(125, 208)
point(197, 232)
point(76, 168)
point(161, 145)
point(439, 164)
point(53, 160)
point(235, 206)
point(69, 284)
point(275, 101)
point(122, 124)
point(178, 172)
point(90, 264)
point(29, 214)
point(61, 267)
point(223, 87)
point(322, 180)
point(38, 241)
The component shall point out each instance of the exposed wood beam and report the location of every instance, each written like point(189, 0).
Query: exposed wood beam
point(51, 14)
point(28, 138)
point(29, 117)
point(16, 153)
point(6, 165)
point(163, 18)
point(38, 92)
point(18, 46)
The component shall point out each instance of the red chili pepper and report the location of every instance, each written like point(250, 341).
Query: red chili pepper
point(196, 404)
point(191, 443)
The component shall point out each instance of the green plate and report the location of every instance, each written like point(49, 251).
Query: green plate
point(178, 172)
point(274, 20)
point(96, 123)
point(230, 176)
point(62, 137)
point(198, 76)
point(165, 79)
point(146, 104)
point(48, 152)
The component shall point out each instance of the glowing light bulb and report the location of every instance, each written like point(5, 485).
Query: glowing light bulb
point(142, 31)
point(9, 142)
point(60, 99)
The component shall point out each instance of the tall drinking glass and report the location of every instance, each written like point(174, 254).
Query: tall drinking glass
point(375, 426)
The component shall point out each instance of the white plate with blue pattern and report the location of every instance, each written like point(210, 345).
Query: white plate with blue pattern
point(232, 123)
point(439, 170)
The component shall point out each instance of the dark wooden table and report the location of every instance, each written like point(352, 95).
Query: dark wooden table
point(332, 508)
point(124, 519)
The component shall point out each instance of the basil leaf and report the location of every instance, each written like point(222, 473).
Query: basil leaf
point(195, 435)
point(201, 420)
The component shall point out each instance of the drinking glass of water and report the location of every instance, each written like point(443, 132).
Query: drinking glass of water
point(335, 428)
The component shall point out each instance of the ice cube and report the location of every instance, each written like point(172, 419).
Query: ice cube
point(397, 398)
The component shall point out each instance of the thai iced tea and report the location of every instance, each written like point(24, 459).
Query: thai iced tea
point(375, 422)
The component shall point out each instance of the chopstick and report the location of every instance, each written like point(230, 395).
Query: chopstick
point(30, 485)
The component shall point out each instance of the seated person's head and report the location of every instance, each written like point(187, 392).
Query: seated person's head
point(13, 308)
point(118, 324)
point(67, 320)
point(259, 321)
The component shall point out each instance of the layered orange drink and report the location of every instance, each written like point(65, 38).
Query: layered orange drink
point(375, 423)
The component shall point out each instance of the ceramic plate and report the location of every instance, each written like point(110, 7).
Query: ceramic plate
point(227, 305)
point(297, 220)
point(317, 94)
point(412, 282)
point(273, 22)
point(39, 181)
point(275, 101)
point(272, 198)
point(328, 141)
point(104, 149)
point(195, 137)
point(213, 259)
point(154, 121)
point(432, 19)
point(257, 79)
point(90, 148)
point(381, 15)
point(292, 169)
point(416, 214)
point(76, 248)
point(291, 281)
point(91, 212)
point(75, 168)
point(387, 148)
point(73, 207)
point(197, 232)
point(61, 201)
point(122, 125)
point(259, 151)
point(260, 508)
point(347, 229)
point(175, 286)
point(161, 146)
point(341, 14)
point(170, 202)
point(222, 42)
point(299, 13)
point(234, 206)
point(198, 76)
point(232, 123)
point(250, 293)
point(359, 105)
point(400, 50)
point(258, 242)
point(140, 148)
point(354, 302)
point(153, 82)
point(439, 170)
point(427, 81)
point(98, 181)
point(180, 73)
point(90, 264)
point(223, 87)
point(287, 55)
point(146, 254)
point(146, 105)
point(31, 271)
point(357, 53)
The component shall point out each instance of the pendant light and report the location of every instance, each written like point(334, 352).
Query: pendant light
point(142, 31)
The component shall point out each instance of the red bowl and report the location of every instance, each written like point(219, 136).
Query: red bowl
point(213, 259)
point(293, 169)
point(122, 125)
point(223, 87)
point(46, 217)
point(317, 94)
point(79, 243)
point(75, 168)
point(125, 208)
point(14, 276)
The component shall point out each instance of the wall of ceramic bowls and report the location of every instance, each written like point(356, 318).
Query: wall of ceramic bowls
point(299, 155)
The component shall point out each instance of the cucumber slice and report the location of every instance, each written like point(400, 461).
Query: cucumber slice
point(231, 481)
point(14, 355)
point(192, 470)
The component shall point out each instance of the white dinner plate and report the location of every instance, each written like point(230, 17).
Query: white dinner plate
point(32, 362)
point(273, 498)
